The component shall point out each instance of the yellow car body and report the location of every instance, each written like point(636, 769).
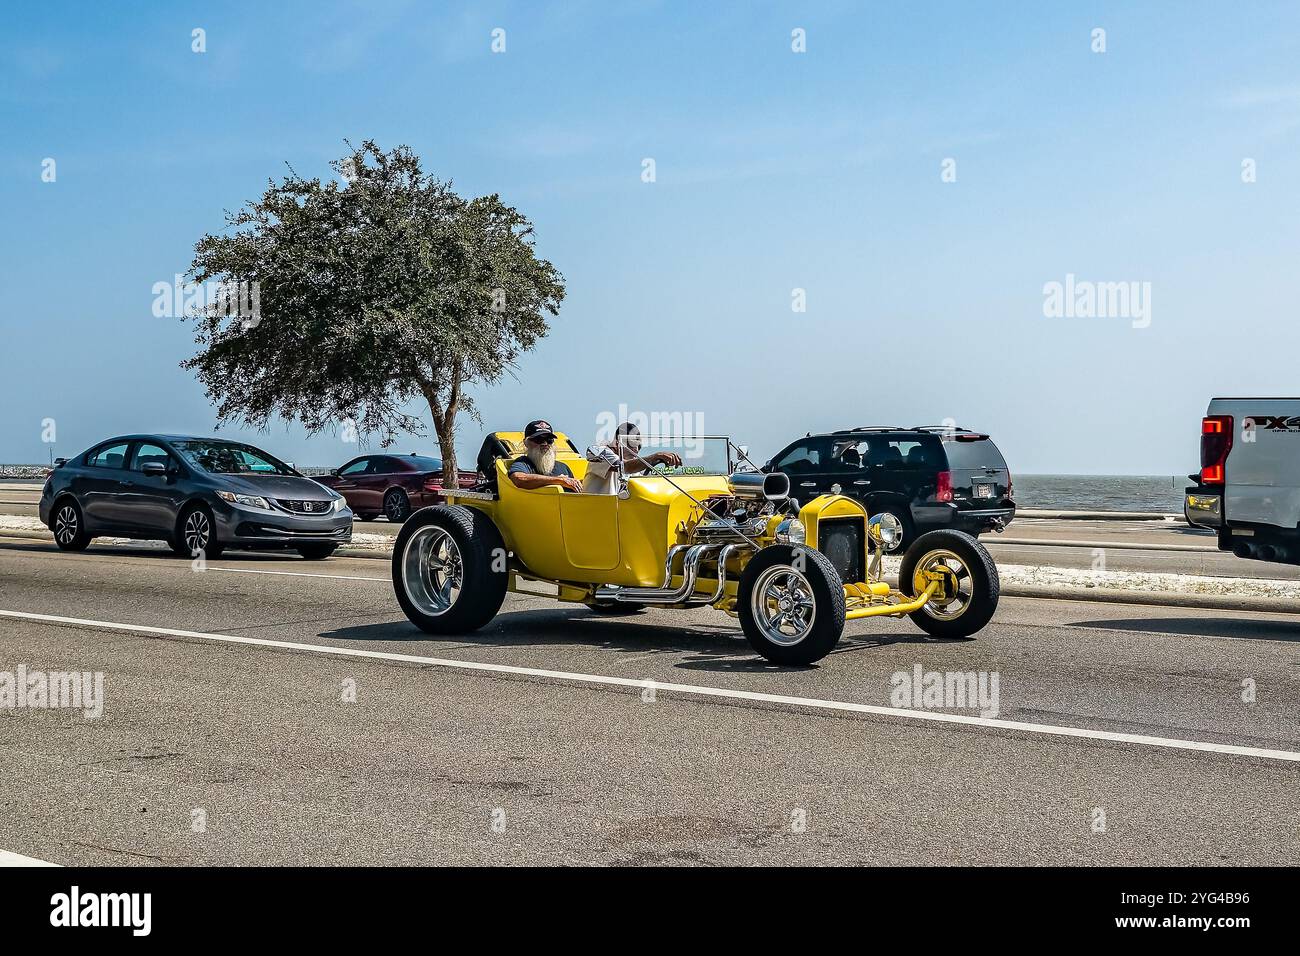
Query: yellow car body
point(577, 541)
point(671, 540)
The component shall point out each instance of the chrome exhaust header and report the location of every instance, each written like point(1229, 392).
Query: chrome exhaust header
point(667, 594)
point(723, 556)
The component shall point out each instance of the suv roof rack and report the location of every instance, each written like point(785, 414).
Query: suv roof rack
point(949, 430)
point(870, 428)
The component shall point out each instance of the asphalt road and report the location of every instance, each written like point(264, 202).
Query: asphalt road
point(438, 763)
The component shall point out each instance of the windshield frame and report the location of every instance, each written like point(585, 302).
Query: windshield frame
point(711, 446)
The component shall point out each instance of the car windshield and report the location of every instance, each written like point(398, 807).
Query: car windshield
point(700, 456)
point(230, 458)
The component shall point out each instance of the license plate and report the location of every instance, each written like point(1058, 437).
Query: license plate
point(983, 491)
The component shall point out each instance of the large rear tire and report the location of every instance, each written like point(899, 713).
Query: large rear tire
point(970, 587)
point(791, 604)
point(449, 569)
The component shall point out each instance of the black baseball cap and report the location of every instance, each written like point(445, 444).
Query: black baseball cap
point(539, 427)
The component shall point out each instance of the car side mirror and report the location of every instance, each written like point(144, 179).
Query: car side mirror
point(334, 472)
point(154, 469)
point(291, 466)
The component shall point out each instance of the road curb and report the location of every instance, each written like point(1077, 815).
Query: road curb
point(1103, 545)
point(1096, 515)
point(1157, 599)
point(28, 535)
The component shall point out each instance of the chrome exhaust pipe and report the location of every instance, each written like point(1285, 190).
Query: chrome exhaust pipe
point(723, 556)
point(666, 594)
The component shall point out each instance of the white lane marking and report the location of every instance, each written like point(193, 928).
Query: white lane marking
point(15, 859)
point(298, 574)
point(695, 690)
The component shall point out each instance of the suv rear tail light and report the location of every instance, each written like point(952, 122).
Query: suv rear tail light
point(1216, 442)
point(943, 490)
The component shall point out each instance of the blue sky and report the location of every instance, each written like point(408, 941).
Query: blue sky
point(775, 170)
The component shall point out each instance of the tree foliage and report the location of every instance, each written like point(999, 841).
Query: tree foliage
point(374, 290)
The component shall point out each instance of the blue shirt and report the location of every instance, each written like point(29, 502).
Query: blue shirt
point(522, 466)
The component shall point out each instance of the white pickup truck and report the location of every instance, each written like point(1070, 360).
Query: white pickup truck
point(1248, 489)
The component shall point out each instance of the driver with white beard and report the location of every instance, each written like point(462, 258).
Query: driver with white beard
point(538, 467)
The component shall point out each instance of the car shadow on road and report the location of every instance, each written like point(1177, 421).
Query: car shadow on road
point(1228, 627)
point(719, 648)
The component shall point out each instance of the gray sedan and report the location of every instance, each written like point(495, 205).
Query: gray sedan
point(200, 495)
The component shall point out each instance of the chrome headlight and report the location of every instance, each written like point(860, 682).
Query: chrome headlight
point(791, 531)
point(885, 530)
point(340, 505)
point(248, 501)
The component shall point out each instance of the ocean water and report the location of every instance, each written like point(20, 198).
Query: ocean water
point(1101, 492)
point(1066, 492)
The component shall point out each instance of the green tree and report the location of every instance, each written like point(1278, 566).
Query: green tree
point(373, 291)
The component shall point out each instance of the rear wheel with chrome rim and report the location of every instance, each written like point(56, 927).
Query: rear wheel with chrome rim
point(196, 534)
point(966, 582)
point(449, 570)
point(69, 526)
point(791, 604)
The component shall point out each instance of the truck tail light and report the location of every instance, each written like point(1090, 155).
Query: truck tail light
point(1216, 442)
point(943, 489)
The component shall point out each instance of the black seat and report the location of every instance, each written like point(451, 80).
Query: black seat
point(492, 449)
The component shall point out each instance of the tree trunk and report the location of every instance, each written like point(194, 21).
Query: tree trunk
point(444, 425)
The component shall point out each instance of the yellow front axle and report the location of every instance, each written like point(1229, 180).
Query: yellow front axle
point(879, 610)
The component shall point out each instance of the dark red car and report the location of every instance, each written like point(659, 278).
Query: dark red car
point(391, 485)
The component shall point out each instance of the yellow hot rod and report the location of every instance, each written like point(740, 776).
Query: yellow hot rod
point(689, 536)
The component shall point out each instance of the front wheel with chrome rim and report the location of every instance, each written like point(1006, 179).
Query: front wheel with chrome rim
point(449, 569)
point(790, 601)
point(965, 580)
point(69, 526)
point(196, 534)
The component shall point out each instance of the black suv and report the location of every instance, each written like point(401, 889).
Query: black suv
point(928, 477)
